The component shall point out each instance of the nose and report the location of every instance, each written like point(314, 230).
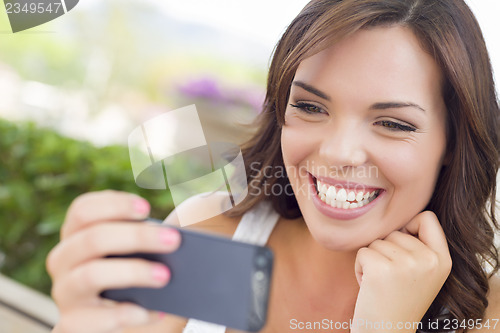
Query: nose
point(344, 147)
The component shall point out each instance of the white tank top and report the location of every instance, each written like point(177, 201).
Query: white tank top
point(255, 227)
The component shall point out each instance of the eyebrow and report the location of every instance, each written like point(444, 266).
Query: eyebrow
point(376, 106)
point(311, 89)
point(395, 105)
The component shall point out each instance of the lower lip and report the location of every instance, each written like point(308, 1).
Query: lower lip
point(339, 213)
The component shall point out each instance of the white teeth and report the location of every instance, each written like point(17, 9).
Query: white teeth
point(328, 199)
point(342, 195)
point(331, 193)
point(340, 198)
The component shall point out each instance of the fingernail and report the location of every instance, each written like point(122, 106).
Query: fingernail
point(141, 206)
point(161, 315)
point(161, 273)
point(169, 236)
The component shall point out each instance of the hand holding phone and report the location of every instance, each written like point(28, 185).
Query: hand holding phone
point(213, 279)
point(100, 224)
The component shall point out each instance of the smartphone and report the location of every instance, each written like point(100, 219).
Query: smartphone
point(213, 279)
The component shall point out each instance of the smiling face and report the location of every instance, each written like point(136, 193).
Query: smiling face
point(364, 116)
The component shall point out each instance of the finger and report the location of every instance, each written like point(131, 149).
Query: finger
point(108, 205)
point(388, 249)
point(369, 261)
point(111, 239)
point(427, 228)
point(85, 283)
point(406, 241)
point(104, 319)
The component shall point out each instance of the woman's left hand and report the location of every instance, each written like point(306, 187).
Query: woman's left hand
point(400, 276)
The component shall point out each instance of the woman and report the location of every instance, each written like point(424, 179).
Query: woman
point(384, 115)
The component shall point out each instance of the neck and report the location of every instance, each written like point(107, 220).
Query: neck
point(323, 278)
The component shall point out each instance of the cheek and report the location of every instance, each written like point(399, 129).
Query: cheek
point(412, 169)
point(297, 143)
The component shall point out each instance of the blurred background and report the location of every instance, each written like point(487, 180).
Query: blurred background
point(72, 89)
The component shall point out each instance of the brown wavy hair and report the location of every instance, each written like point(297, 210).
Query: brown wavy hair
point(464, 197)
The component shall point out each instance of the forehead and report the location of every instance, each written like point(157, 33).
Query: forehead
point(381, 61)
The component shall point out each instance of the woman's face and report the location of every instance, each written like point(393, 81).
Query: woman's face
point(367, 119)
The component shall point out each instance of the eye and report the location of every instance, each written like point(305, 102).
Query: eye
point(307, 108)
point(395, 126)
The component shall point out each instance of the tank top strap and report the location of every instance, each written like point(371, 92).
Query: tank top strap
point(257, 224)
point(255, 227)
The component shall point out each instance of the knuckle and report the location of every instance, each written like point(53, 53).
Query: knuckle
point(381, 271)
point(412, 265)
point(394, 235)
point(79, 203)
point(88, 276)
point(385, 267)
point(52, 261)
point(376, 243)
point(447, 264)
point(362, 252)
point(57, 292)
point(138, 271)
point(76, 212)
point(432, 260)
point(428, 216)
point(93, 239)
point(141, 235)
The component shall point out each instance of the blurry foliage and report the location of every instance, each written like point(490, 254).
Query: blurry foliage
point(41, 172)
point(111, 54)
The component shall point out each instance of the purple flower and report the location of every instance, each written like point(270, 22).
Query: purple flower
point(202, 88)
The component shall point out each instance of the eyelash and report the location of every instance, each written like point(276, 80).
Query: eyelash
point(390, 125)
point(394, 126)
point(304, 107)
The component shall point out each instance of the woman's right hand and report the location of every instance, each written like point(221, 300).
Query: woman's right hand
point(99, 224)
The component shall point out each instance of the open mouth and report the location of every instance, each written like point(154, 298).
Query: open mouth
point(345, 196)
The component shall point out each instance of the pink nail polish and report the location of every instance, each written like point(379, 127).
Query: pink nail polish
point(161, 273)
point(141, 206)
point(169, 236)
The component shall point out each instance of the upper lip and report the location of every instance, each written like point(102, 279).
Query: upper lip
point(346, 184)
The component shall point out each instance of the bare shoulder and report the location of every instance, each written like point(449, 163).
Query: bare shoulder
point(211, 205)
point(492, 315)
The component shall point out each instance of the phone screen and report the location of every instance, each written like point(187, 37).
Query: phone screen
point(213, 279)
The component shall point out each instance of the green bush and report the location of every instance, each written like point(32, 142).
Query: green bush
point(41, 172)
